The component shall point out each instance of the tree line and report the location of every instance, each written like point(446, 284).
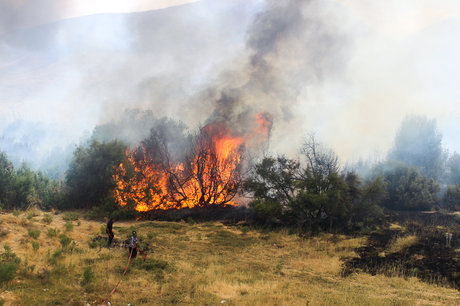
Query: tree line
point(313, 192)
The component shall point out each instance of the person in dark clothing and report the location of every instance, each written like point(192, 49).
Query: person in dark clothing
point(133, 245)
point(109, 231)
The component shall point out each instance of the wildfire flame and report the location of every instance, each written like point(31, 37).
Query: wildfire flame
point(210, 177)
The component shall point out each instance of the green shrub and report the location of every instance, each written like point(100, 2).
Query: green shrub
point(97, 242)
point(156, 266)
point(150, 236)
point(35, 245)
point(7, 272)
point(52, 232)
point(34, 234)
point(68, 226)
point(70, 216)
point(16, 212)
point(47, 218)
point(88, 276)
point(2, 302)
point(31, 214)
point(190, 221)
point(64, 240)
point(27, 268)
point(9, 266)
point(54, 258)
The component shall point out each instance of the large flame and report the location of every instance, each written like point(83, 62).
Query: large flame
point(210, 177)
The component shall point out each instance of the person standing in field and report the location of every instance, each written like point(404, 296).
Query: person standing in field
point(133, 245)
point(109, 231)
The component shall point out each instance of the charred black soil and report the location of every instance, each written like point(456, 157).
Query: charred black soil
point(427, 253)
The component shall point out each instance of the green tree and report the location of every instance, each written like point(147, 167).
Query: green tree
point(89, 177)
point(6, 181)
point(23, 187)
point(409, 190)
point(322, 189)
point(272, 184)
point(453, 169)
point(451, 198)
point(418, 143)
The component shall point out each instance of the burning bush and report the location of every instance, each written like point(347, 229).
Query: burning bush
point(207, 174)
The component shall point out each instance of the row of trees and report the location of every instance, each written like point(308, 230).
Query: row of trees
point(312, 192)
point(22, 187)
point(316, 193)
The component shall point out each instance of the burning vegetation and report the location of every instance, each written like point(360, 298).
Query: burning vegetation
point(207, 173)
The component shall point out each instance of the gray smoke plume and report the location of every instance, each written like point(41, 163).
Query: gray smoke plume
point(348, 70)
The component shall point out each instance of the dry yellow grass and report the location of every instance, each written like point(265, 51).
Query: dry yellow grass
point(402, 243)
point(207, 263)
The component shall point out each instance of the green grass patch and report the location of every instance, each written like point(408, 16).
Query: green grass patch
point(157, 267)
point(228, 239)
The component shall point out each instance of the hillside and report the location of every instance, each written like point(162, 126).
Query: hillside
point(192, 263)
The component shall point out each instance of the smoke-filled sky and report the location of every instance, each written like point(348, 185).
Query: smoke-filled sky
point(348, 70)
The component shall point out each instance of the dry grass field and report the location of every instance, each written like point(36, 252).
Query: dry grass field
point(198, 264)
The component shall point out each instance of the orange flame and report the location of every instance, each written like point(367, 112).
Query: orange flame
point(209, 178)
point(146, 186)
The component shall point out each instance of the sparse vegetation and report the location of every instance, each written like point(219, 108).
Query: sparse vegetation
point(31, 214)
point(401, 243)
point(88, 276)
point(10, 264)
point(52, 232)
point(70, 216)
point(47, 218)
point(205, 263)
point(34, 234)
point(64, 240)
point(35, 245)
point(68, 226)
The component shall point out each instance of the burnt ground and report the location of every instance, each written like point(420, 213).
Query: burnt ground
point(429, 258)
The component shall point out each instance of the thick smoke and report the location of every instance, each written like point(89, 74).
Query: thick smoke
point(348, 70)
point(288, 49)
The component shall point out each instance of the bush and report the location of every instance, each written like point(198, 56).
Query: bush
point(9, 266)
point(16, 212)
point(54, 258)
point(88, 276)
point(451, 198)
point(47, 218)
point(155, 266)
point(70, 216)
point(52, 232)
point(68, 226)
point(64, 240)
point(34, 234)
point(190, 221)
point(35, 245)
point(31, 214)
point(89, 177)
point(408, 189)
point(97, 243)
